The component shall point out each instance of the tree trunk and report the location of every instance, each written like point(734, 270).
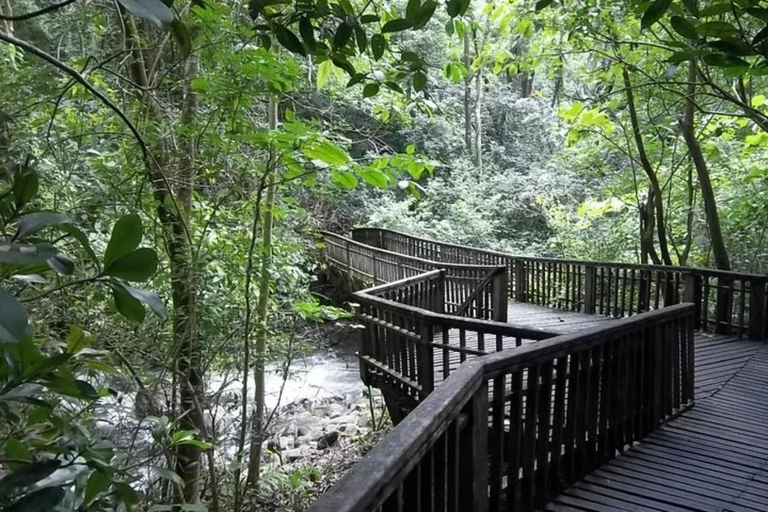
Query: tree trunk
point(467, 97)
point(658, 198)
point(262, 314)
point(719, 250)
point(173, 208)
point(479, 119)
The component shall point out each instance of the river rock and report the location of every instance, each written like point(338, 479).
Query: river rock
point(295, 454)
point(328, 440)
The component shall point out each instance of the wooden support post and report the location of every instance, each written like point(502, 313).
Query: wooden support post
point(521, 286)
point(426, 360)
point(757, 320)
point(473, 456)
point(590, 289)
point(723, 304)
point(692, 293)
point(441, 298)
point(499, 296)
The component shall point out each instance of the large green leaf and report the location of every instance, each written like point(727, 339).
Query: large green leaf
point(412, 11)
point(126, 236)
point(34, 222)
point(289, 40)
point(25, 186)
point(97, 482)
point(168, 475)
point(148, 298)
point(28, 474)
point(425, 14)
point(128, 306)
point(153, 10)
point(138, 265)
point(344, 179)
point(397, 25)
point(13, 318)
point(44, 499)
point(654, 12)
point(25, 254)
point(684, 27)
point(342, 36)
point(378, 45)
point(371, 89)
point(326, 152)
point(716, 29)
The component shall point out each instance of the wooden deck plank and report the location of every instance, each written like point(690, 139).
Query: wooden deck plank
point(712, 458)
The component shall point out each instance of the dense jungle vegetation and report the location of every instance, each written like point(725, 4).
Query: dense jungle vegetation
point(167, 164)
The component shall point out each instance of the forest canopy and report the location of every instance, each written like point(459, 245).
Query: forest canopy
point(167, 166)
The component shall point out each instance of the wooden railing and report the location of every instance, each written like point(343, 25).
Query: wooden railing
point(726, 302)
point(511, 430)
point(413, 338)
point(477, 291)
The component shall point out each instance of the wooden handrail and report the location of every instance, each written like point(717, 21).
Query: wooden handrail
point(468, 437)
point(613, 264)
point(478, 289)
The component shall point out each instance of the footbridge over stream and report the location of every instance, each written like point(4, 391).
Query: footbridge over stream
point(522, 384)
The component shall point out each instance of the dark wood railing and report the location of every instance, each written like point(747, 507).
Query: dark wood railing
point(511, 430)
point(413, 338)
point(726, 302)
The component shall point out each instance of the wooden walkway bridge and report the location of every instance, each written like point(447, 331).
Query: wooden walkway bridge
point(562, 385)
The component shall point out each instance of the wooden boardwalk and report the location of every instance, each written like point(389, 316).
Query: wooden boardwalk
point(713, 458)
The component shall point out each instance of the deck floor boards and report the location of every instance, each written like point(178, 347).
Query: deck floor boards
point(713, 458)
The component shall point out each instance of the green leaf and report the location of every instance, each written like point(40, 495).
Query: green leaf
point(126, 236)
point(419, 81)
point(149, 298)
point(128, 306)
point(13, 319)
point(78, 235)
point(168, 474)
point(61, 264)
point(542, 4)
point(25, 186)
point(138, 265)
point(26, 254)
point(715, 10)
point(44, 499)
point(760, 36)
point(397, 25)
point(97, 483)
point(289, 40)
point(654, 12)
point(369, 18)
point(721, 60)
point(425, 14)
point(344, 179)
point(182, 37)
point(326, 152)
point(153, 10)
point(732, 47)
point(679, 57)
point(324, 71)
point(358, 78)
point(371, 89)
point(16, 451)
point(759, 13)
point(692, 6)
point(342, 36)
point(378, 45)
point(393, 86)
point(684, 27)
point(343, 63)
point(716, 29)
point(307, 32)
point(453, 7)
point(362, 39)
point(34, 222)
point(374, 178)
point(29, 474)
point(77, 340)
point(412, 11)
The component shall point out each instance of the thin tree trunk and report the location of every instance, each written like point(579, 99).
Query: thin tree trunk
point(6, 10)
point(467, 97)
point(658, 198)
point(262, 312)
point(719, 250)
point(479, 119)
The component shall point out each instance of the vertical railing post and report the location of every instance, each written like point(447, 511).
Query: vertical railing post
point(521, 285)
point(473, 454)
point(441, 299)
point(425, 354)
point(692, 293)
point(757, 320)
point(499, 296)
point(723, 305)
point(590, 289)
